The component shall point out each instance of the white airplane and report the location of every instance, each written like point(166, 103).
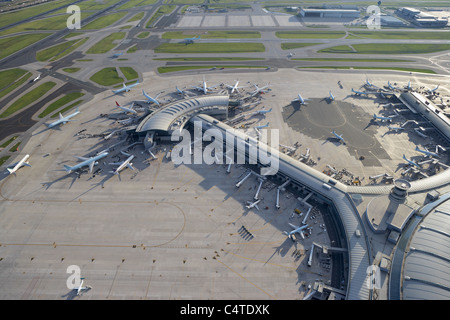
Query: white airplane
point(390, 86)
point(383, 119)
point(234, 87)
point(433, 90)
point(297, 229)
point(408, 86)
point(339, 137)
point(37, 78)
point(204, 88)
point(300, 99)
point(263, 111)
point(259, 90)
point(126, 88)
point(331, 97)
point(81, 288)
point(91, 162)
point(262, 126)
point(63, 120)
point(125, 109)
point(191, 40)
point(396, 129)
point(16, 166)
point(253, 204)
point(151, 99)
point(122, 165)
point(182, 92)
point(411, 162)
point(428, 153)
point(358, 93)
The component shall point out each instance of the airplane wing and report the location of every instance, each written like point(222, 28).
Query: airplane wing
point(91, 166)
point(130, 166)
point(256, 206)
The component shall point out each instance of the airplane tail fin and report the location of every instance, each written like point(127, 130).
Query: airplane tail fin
point(68, 168)
point(270, 109)
point(10, 170)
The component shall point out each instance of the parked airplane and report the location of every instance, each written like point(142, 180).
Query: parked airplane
point(126, 88)
point(297, 229)
point(339, 137)
point(263, 126)
point(408, 86)
point(411, 162)
point(91, 162)
point(151, 99)
point(81, 288)
point(234, 87)
point(263, 111)
point(16, 166)
point(300, 99)
point(204, 88)
point(383, 119)
point(63, 120)
point(191, 40)
point(396, 129)
point(122, 165)
point(390, 86)
point(428, 153)
point(331, 97)
point(260, 90)
point(358, 93)
point(433, 90)
point(37, 78)
point(125, 109)
point(115, 55)
point(253, 204)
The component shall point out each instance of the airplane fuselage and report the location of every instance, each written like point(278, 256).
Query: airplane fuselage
point(88, 162)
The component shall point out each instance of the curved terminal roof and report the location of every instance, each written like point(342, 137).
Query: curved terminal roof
point(302, 174)
point(426, 268)
point(163, 118)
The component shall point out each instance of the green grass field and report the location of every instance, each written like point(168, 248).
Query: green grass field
point(107, 77)
point(352, 60)
point(214, 35)
point(52, 23)
point(105, 21)
point(208, 59)
point(429, 71)
point(399, 35)
point(106, 43)
point(132, 49)
point(137, 17)
point(129, 73)
point(67, 108)
point(60, 102)
point(184, 68)
point(6, 143)
point(210, 47)
point(59, 51)
point(310, 34)
point(389, 48)
point(71, 70)
point(143, 35)
point(19, 15)
point(28, 98)
point(13, 44)
point(296, 45)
